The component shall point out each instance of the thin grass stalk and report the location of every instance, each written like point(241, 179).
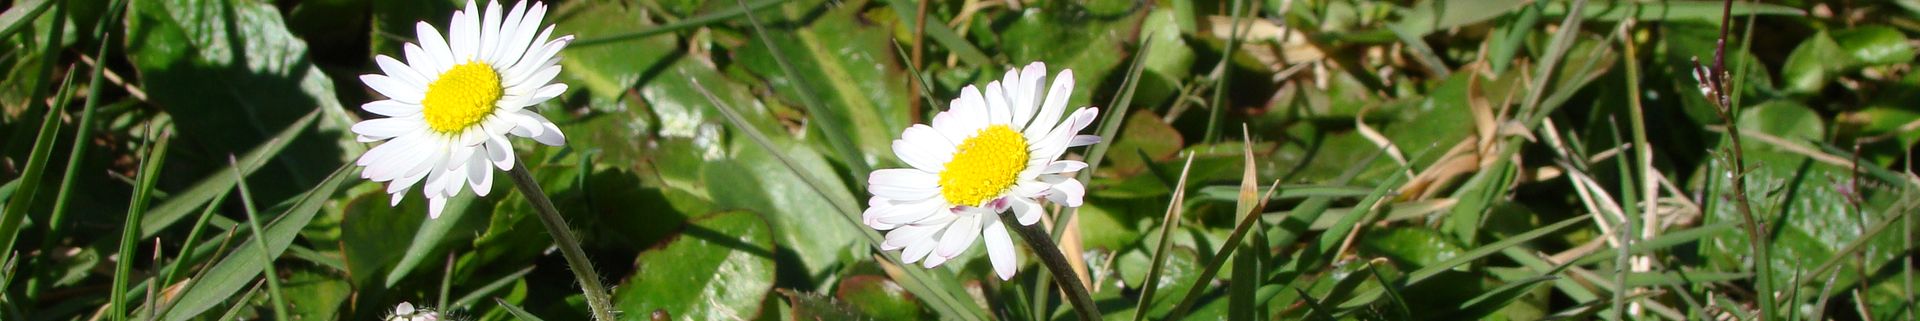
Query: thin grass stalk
point(14, 215)
point(827, 117)
point(919, 50)
point(678, 25)
point(596, 294)
point(944, 302)
point(1225, 68)
point(1169, 222)
point(1714, 79)
point(192, 240)
point(130, 232)
point(272, 274)
point(83, 133)
point(1056, 263)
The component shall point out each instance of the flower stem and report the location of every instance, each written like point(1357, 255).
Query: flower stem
point(1063, 274)
point(596, 294)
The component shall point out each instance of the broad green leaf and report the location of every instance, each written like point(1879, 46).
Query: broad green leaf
point(1142, 135)
point(231, 75)
point(316, 295)
point(1090, 45)
point(1785, 119)
point(719, 268)
point(1808, 205)
point(1430, 15)
point(1411, 247)
point(851, 67)
point(241, 266)
point(802, 222)
point(1875, 45)
point(609, 71)
point(1169, 60)
point(1814, 63)
point(879, 298)
point(1693, 10)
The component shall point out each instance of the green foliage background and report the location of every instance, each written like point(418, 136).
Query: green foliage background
point(1433, 159)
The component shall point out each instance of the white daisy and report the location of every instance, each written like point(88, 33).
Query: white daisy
point(450, 107)
point(983, 156)
point(406, 312)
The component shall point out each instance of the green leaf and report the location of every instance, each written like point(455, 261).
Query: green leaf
point(801, 221)
point(1694, 10)
point(1091, 45)
point(879, 298)
point(1875, 45)
point(230, 74)
point(848, 65)
point(1411, 247)
point(1814, 63)
point(244, 263)
point(1785, 119)
point(316, 295)
point(1142, 135)
point(608, 71)
point(719, 267)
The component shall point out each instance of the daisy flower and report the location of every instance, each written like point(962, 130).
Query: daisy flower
point(406, 312)
point(451, 105)
point(986, 155)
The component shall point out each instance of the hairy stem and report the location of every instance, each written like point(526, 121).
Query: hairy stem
point(1056, 263)
point(596, 294)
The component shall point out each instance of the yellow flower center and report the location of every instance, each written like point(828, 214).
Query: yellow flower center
point(984, 166)
point(461, 97)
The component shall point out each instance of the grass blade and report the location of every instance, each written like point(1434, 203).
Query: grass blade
point(918, 282)
point(21, 15)
point(179, 205)
point(228, 275)
point(697, 21)
point(15, 212)
point(820, 112)
point(941, 34)
point(516, 311)
point(1169, 223)
point(253, 221)
point(143, 193)
point(480, 293)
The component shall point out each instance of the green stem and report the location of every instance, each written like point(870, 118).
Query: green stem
point(596, 294)
point(1056, 263)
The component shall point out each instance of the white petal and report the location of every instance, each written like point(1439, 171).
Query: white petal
point(1083, 140)
point(422, 63)
point(903, 178)
point(465, 37)
point(934, 260)
point(383, 128)
point(434, 205)
point(999, 110)
point(439, 54)
point(1000, 249)
point(489, 32)
point(394, 89)
point(970, 113)
point(391, 108)
point(533, 82)
point(918, 249)
point(1066, 191)
point(959, 235)
point(1026, 92)
point(905, 192)
point(1056, 142)
point(1056, 103)
point(479, 175)
point(503, 52)
point(901, 237)
point(1025, 209)
point(500, 152)
point(1063, 166)
point(921, 212)
point(400, 71)
point(926, 158)
point(948, 124)
point(548, 133)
